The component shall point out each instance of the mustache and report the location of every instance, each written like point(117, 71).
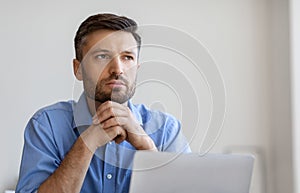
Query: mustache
point(116, 77)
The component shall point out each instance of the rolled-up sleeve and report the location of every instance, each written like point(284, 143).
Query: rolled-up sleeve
point(174, 140)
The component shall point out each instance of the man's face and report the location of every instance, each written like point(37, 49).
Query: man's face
point(109, 66)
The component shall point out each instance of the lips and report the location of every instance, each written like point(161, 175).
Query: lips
point(115, 83)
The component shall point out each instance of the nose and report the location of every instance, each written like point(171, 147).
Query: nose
point(116, 66)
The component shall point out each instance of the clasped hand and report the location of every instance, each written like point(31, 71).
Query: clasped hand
point(115, 122)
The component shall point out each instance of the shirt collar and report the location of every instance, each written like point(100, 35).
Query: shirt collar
point(83, 117)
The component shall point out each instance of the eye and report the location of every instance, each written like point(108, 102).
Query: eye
point(128, 57)
point(102, 56)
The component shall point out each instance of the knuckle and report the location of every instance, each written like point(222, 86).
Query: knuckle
point(109, 104)
point(117, 120)
point(110, 111)
point(116, 131)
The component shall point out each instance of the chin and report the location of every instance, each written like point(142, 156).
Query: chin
point(119, 100)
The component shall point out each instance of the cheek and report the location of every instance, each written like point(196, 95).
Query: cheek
point(131, 77)
point(131, 72)
point(95, 74)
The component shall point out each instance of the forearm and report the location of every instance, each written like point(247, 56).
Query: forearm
point(69, 176)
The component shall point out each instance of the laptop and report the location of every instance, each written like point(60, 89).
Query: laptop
point(162, 172)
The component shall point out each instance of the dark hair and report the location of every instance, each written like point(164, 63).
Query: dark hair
point(106, 21)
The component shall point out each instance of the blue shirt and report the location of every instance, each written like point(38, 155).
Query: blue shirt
point(52, 131)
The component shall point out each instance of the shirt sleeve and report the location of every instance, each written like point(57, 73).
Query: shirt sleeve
point(174, 140)
point(40, 157)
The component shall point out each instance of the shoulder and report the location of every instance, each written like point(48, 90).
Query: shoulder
point(61, 109)
point(150, 116)
point(50, 121)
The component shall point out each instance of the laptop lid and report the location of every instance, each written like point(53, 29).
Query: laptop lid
point(163, 172)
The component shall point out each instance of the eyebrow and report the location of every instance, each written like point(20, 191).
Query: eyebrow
point(129, 52)
point(108, 51)
point(100, 50)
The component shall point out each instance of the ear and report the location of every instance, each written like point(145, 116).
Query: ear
point(77, 69)
point(138, 65)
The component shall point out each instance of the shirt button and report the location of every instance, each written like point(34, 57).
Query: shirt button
point(109, 176)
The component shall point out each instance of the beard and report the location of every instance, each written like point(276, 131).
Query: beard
point(100, 94)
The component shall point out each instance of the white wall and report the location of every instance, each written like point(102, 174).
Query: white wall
point(37, 50)
point(295, 60)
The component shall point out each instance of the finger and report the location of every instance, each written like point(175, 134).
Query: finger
point(106, 105)
point(95, 119)
point(116, 132)
point(111, 112)
point(105, 136)
point(137, 130)
point(121, 136)
point(110, 108)
point(109, 104)
point(114, 121)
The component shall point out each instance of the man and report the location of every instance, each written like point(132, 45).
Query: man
point(88, 146)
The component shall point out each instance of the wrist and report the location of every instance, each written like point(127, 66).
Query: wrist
point(147, 144)
point(88, 138)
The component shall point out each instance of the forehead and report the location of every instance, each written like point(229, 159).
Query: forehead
point(114, 41)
